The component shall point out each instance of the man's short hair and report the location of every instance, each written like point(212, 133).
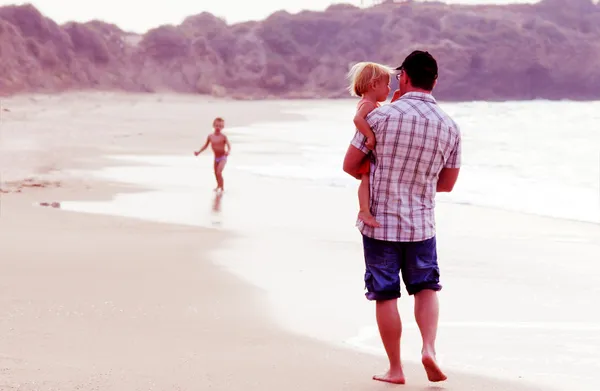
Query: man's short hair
point(421, 68)
point(218, 119)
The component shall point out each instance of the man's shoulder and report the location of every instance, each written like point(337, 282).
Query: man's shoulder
point(378, 114)
point(447, 120)
point(410, 107)
point(381, 109)
point(398, 107)
point(432, 111)
point(407, 109)
point(385, 110)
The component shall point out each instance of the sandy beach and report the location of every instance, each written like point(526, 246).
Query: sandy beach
point(99, 302)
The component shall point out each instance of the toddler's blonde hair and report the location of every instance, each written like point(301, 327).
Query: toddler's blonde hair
point(362, 74)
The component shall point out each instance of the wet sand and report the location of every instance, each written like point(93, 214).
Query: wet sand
point(513, 306)
point(113, 303)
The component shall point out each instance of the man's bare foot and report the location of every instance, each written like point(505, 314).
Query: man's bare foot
point(368, 219)
point(434, 373)
point(394, 377)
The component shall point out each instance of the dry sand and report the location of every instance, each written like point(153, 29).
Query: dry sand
point(107, 303)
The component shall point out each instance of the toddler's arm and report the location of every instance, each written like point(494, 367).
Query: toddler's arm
point(204, 147)
point(363, 126)
point(227, 145)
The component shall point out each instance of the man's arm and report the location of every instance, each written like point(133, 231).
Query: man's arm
point(204, 147)
point(449, 174)
point(353, 160)
point(447, 179)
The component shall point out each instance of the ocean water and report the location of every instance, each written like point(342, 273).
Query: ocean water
point(537, 157)
point(513, 306)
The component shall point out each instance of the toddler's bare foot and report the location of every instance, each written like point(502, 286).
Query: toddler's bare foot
point(368, 219)
point(391, 376)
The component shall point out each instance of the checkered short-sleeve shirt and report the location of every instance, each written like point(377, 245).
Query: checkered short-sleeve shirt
point(415, 139)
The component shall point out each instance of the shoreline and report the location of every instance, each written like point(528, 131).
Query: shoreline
point(269, 98)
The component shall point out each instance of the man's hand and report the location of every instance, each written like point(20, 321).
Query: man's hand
point(196, 153)
point(370, 143)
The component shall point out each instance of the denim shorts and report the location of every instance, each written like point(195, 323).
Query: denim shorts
point(386, 261)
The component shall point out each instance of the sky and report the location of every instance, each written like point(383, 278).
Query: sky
point(141, 15)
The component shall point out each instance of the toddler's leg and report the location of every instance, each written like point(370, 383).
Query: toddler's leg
point(363, 202)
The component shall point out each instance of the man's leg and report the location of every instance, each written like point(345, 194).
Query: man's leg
point(421, 275)
point(390, 330)
point(427, 311)
point(382, 281)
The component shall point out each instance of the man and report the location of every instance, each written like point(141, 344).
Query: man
point(417, 153)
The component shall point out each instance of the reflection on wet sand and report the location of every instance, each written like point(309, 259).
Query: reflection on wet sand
point(217, 202)
point(216, 208)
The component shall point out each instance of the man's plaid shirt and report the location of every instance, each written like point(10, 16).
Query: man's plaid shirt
point(415, 139)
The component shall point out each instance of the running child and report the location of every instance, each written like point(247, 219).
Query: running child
point(221, 148)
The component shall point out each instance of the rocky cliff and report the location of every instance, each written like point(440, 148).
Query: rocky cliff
point(546, 50)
